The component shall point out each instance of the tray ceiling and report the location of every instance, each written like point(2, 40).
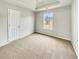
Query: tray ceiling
point(37, 5)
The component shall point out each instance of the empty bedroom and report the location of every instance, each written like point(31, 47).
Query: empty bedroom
point(38, 29)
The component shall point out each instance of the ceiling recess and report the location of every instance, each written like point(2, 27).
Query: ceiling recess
point(39, 5)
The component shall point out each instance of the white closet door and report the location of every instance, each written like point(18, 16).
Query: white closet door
point(13, 24)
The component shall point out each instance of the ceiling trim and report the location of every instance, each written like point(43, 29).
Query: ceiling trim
point(49, 4)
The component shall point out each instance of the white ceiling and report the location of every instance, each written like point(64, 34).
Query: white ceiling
point(38, 5)
point(45, 2)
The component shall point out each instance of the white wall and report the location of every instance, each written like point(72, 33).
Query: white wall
point(3, 26)
point(75, 25)
point(61, 23)
point(26, 24)
point(27, 21)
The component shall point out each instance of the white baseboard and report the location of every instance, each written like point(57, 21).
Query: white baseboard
point(5, 43)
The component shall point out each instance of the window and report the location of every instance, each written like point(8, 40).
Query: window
point(48, 20)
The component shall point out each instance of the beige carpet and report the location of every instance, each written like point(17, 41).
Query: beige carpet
point(38, 46)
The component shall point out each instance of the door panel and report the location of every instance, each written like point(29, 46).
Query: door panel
point(13, 24)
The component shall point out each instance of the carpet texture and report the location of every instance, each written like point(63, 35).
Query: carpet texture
point(37, 46)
